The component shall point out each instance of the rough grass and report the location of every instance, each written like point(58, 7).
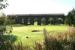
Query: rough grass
point(25, 34)
point(60, 40)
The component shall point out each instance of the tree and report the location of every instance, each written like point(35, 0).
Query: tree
point(70, 18)
point(3, 4)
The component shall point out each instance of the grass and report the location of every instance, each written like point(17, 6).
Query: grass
point(26, 31)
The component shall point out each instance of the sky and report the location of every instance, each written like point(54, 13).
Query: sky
point(39, 6)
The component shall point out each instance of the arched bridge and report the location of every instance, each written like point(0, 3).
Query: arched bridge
point(41, 19)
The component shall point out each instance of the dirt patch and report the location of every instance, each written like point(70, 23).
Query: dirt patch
point(36, 30)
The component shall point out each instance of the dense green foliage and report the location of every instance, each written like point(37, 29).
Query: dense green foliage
point(3, 4)
point(70, 18)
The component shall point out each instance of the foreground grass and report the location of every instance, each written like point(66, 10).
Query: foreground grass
point(27, 37)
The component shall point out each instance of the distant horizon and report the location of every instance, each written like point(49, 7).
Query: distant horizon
point(39, 6)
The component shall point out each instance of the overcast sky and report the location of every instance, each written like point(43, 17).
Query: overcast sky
point(39, 6)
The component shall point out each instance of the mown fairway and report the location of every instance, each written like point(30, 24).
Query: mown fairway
point(25, 34)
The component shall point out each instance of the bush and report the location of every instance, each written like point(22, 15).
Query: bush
point(2, 20)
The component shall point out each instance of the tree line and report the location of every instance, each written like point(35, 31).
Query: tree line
point(70, 18)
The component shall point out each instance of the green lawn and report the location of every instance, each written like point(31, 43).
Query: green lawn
point(26, 31)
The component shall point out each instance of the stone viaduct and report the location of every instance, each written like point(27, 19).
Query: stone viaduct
point(41, 19)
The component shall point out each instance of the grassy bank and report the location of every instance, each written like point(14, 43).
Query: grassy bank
point(28, 37)
point(50, 37)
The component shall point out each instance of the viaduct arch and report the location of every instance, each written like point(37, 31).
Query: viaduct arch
point(41, 19)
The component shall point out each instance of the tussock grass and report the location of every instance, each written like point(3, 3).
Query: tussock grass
point(60, 41)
